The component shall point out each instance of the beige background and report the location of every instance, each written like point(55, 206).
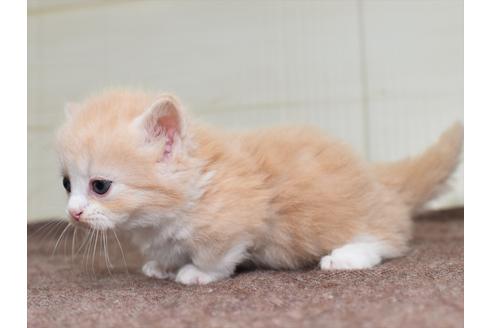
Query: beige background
point(386, 76)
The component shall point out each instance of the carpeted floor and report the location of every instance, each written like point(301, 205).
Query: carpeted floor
point(423, 289)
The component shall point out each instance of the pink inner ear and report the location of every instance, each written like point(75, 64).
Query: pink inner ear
point(169, 142)
point(168, 122)
point(169, 125)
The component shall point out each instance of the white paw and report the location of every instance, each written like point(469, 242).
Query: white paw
point(350, 258)
point(153, 270)
point(191, 275)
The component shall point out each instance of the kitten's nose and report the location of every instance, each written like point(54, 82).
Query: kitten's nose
point(75, 213)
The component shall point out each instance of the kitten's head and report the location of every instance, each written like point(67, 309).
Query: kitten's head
point(124, 156)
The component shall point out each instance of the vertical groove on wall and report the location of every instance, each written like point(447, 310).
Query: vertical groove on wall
point(364, 79)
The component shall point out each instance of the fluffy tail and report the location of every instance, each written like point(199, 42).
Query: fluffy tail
point(420, 179)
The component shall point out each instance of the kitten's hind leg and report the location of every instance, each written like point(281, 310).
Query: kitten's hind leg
point(361, 253)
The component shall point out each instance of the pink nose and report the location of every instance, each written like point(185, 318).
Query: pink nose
point(76, 214)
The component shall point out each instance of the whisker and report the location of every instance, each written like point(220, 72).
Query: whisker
point(107, 251)
point(43, 227)
point(121, 250)
point(84, 250)
point(101, 248)
point(92, 246)
point(106, 257)
point(74, 239)
point(53, 229)
point(83, 242)
point(59, 238)
point(65, 241)
point(87, 251)
point(94, 252)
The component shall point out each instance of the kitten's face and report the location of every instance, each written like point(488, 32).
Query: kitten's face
point(120, 157)
point(90, 194)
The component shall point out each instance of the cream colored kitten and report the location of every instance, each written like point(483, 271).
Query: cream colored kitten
point(198, 201)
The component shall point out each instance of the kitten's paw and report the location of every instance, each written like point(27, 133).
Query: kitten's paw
point(152, 269)
point(350, 257)
point(331, 262)
point(191, 275)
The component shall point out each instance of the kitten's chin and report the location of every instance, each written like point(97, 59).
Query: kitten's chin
point(94, 225)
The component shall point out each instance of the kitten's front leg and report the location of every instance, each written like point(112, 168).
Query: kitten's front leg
point(164, 261)
point(153, 269)
point(209, 265)
point(190, 274)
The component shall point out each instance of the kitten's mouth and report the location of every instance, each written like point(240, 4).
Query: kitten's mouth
point(80, 223)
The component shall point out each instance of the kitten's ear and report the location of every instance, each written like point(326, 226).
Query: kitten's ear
point(71, 108)
point(163, 122)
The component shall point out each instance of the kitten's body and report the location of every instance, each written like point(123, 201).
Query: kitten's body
point(198, 201)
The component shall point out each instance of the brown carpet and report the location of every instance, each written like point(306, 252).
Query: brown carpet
point(423, 289)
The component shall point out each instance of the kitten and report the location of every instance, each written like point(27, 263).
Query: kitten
point(197, 201)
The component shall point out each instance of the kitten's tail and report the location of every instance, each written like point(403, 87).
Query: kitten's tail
point(421, 178)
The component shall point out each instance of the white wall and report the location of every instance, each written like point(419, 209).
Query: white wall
point(386, 76)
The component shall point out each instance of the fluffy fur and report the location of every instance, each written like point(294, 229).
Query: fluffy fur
point(198, 201)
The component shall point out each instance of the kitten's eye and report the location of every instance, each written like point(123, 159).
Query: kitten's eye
point(100, 186)
point(66, 184)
